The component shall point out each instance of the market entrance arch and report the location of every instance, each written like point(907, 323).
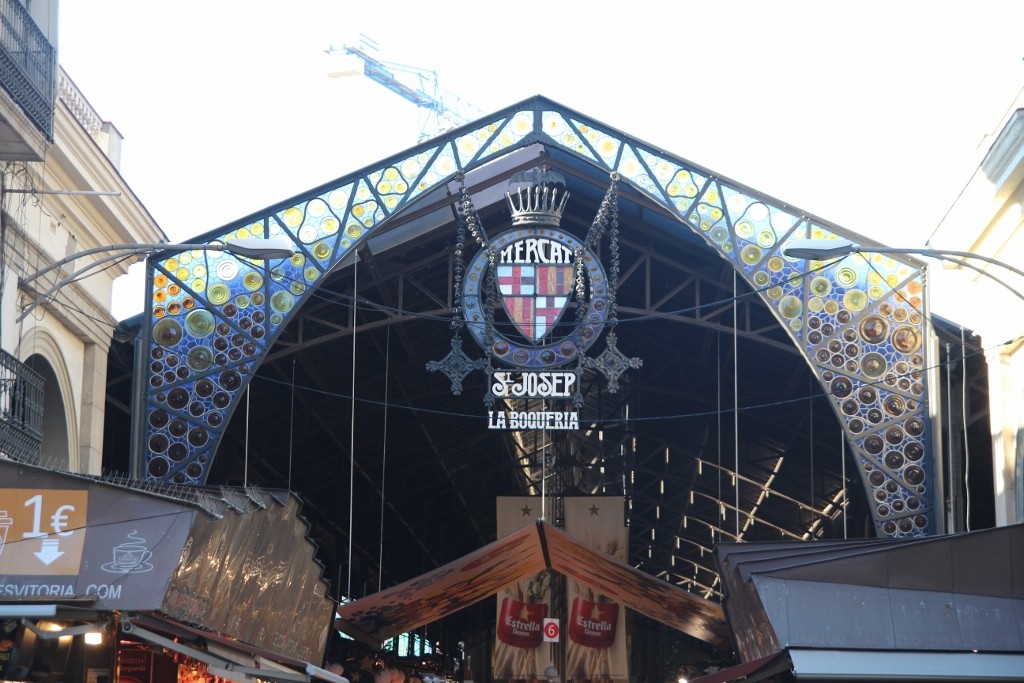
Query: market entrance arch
point(860, 325)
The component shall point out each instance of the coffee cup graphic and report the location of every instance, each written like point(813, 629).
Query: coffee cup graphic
point(130, 556)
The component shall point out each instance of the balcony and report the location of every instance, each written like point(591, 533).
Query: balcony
point(21, 410)
point(28, 66)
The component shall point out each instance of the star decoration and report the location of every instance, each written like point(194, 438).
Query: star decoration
point(595, 613)
point(611, 362)
point(594, 510)
point(456, 365)
point(527, 511)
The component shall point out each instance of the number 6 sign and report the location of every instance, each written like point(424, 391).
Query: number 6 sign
point(551, 630)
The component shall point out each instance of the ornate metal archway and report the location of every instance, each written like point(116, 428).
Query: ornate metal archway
point(861, 323)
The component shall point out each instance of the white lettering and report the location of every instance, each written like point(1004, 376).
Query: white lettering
point(520, 627)
point(533, 384)
point(104, 590)
point(537, 250)
point(37, 590)
point(593, 628)
point(553, 420)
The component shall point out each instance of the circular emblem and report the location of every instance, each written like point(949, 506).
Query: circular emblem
point(551, 629)
point(535, 281)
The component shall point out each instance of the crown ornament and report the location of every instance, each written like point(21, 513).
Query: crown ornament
point(539, 198)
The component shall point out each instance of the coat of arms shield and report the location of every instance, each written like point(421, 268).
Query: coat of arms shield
point(535, 296)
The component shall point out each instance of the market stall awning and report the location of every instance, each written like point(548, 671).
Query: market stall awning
point(516, 556)
point(913, 604)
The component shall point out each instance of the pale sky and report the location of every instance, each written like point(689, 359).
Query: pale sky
point(868, 114)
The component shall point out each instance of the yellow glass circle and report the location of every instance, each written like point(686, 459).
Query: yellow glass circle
point(751, 254)
point(292, 217)
point(846, 276)
point(855, 300)
point(252, 280)
point(321, 250)
point(218, 294)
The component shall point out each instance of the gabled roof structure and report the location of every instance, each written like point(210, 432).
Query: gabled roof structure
point(777, 398)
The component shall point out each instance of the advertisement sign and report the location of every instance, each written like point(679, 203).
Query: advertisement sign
point(522, 606)
point(114, 546)
point(596, 643)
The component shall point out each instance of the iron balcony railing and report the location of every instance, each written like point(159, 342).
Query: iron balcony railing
point(21, 410)
point(28, 65)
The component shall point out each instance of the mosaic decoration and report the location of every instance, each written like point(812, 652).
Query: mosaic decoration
point(860, 321)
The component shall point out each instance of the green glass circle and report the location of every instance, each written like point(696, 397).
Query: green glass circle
point(821, 286)
point(200, 323)
point(790, 306)
point(282, 301)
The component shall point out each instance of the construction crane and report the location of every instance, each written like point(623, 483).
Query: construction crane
point(444, 110)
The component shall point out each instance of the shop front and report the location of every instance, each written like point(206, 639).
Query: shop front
point(103, 581)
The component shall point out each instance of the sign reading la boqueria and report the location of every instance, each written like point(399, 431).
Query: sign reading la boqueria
point(535, 298)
